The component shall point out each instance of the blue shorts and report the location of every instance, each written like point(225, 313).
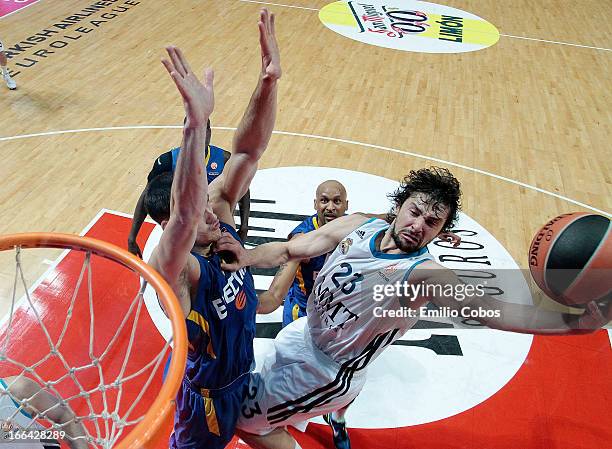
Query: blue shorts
point(207, 419)
point(292, 309)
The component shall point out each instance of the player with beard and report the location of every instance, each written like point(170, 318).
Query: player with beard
point(293, 282)
point(319, 362)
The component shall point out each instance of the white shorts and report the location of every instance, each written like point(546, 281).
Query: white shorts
point(297, 382)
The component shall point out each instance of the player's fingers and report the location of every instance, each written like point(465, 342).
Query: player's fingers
point(174, 57)
point(225, 243)
point(272, 25)
point(183, 60)
point(168, 65)
point(209, 77)
point(595, 312)
point(263, 39)
point(229, 266)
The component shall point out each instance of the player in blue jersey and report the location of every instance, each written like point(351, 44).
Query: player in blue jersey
point(293, 282)
point(216, 159)
point(219, 307)
point(330, 203)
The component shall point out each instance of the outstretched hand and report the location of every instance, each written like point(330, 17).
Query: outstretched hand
point(198, 97)
point(594, 316)
point(232, 254)
point(270, 56)
point(450, 237)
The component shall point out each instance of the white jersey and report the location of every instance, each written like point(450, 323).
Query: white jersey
point(14, 416)
point(341, 307)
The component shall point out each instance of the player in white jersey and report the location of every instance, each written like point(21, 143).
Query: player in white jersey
point(357, 307)
point(19, 428)
point(10, 83)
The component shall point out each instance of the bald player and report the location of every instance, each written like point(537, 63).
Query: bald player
point(293, 281)
point(298, 276)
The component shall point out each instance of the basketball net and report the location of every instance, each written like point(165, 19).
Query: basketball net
point(103, 367)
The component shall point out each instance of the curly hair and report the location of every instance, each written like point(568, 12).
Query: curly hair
point(438, 183)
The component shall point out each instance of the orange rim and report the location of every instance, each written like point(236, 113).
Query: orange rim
point(164, 403)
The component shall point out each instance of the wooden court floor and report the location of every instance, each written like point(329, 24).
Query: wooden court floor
point(525, 124)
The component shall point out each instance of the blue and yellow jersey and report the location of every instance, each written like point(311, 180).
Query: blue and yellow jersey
point(215, 162)
point(297, 297)
point(221, 324)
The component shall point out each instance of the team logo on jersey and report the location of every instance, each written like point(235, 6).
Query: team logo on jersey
point(360, 233)
point(345, 245)
point(387, 272)
point(241, 300)
point(214, 166)
point(231, 292)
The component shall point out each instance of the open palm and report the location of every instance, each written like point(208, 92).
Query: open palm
point(198, 97)
point(270, 55)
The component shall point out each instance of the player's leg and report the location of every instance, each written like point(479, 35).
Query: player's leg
point(338, 424)
point(277, 439)
point(10, 83)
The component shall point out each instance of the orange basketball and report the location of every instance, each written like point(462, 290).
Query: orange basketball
point(570, 258)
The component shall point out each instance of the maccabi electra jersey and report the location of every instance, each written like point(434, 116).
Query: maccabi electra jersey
point(221, 324)
point(297, 297)
point(214, 161)
point(340, 312)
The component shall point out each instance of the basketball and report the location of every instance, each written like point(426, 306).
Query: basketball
point(570, 258)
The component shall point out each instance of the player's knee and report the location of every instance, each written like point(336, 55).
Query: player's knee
point(277, 439)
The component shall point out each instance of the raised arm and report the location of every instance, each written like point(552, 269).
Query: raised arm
point(254, 130)
point(245, 211)
point(189, 187)
point(503, 315)
point(305, 246)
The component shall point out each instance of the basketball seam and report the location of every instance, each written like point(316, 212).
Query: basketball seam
point(551, 247)
point(588, 263)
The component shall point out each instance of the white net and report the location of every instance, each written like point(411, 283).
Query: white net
point(79, 355)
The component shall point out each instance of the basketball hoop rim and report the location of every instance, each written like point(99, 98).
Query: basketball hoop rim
point(164, 403)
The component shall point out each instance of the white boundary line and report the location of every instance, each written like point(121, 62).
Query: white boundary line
point(556, 42)
point(330, 139)
point(505, 35)
point(20, 9)
point(278, 4)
